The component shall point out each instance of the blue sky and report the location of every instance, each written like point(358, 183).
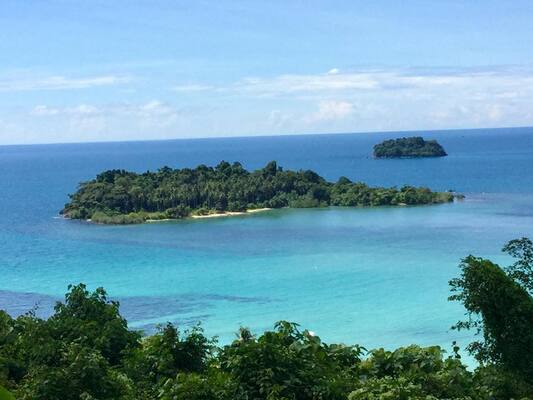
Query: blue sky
point(73, 71)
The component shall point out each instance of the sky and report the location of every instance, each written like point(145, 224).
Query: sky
point(77, 71)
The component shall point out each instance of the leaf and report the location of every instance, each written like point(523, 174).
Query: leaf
point(5, 395)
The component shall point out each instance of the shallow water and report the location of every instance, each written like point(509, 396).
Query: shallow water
point(377, 276)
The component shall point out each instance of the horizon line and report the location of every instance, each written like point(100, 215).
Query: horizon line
point(265, 136)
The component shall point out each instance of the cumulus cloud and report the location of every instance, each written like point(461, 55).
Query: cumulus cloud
point(330, 110)
point(332, 101)
point(390, 99)
point(278, 119)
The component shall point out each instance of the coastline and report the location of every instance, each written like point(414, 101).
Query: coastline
point(229, 213)
point(456, 197)
point(214, 215)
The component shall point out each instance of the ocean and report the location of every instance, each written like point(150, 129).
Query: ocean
point(373, 276)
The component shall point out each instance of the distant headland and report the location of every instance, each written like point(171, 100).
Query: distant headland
point(409, 147)
point(122, 197)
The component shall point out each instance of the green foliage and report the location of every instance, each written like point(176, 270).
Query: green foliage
point(162, 356)
point(121, 197)
point(522, 269)
point(65, 357)
point(214, 385)
point(90, 319)
point(414, 373)
point(86, 351)
point(100, 217)
point(500, 384)
point(5, 395)
point(74, 353)
point(414, 146)
point(502, 311)
point(79, 371)
point(289, 364)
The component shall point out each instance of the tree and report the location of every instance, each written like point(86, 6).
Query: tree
point(80, 373)
point(214, 385)
point(121, 197)
point(414, 373)
point(94, 321)
point(522, 269)
point(414, 146)
point(289, 364)
point(499, 309)
point(85, 351)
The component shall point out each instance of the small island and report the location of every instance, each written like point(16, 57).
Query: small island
point(122, 197)
point(410, 147)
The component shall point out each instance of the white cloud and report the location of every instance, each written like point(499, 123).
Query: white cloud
point(393, 99)
point(154, 114)
point(17, 84)
point(192, 88)
point(501, 82)
point(84, 109)
point(334, 101)
point(42, 110)
point(278, 119)
point(154, 107)
point(296, 84)
point(330, 110)
point(46, 111)
point(87, 122)
point(90, 119)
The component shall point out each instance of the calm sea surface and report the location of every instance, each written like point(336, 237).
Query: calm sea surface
point(378, 277)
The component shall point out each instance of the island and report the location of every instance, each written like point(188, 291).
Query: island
point(122, 197)
point(409, 147)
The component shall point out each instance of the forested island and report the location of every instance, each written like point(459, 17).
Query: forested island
point(86, 351)
point(122, 197)
point(408, 147)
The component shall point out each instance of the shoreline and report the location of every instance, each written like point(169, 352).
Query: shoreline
point(456, 198)
point(151, 221)
point(214, 215)
point(229, 213)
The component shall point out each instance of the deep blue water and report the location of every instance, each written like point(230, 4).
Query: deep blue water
point(378, 277)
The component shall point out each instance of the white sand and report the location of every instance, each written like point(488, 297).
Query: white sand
point(230, 213)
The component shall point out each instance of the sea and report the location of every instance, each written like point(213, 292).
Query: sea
point(378, 277)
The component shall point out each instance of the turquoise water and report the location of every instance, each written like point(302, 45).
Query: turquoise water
point(378, 277)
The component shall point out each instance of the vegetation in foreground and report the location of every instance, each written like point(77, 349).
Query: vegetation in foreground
point(122, 197)
point(85, 351)
point(411, 147)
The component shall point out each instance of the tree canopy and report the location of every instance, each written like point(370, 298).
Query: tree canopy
point(119, 196)
point(499, 308)
point(413, 147)
point(86, 351)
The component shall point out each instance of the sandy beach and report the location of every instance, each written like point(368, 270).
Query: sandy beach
point(230, 213)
